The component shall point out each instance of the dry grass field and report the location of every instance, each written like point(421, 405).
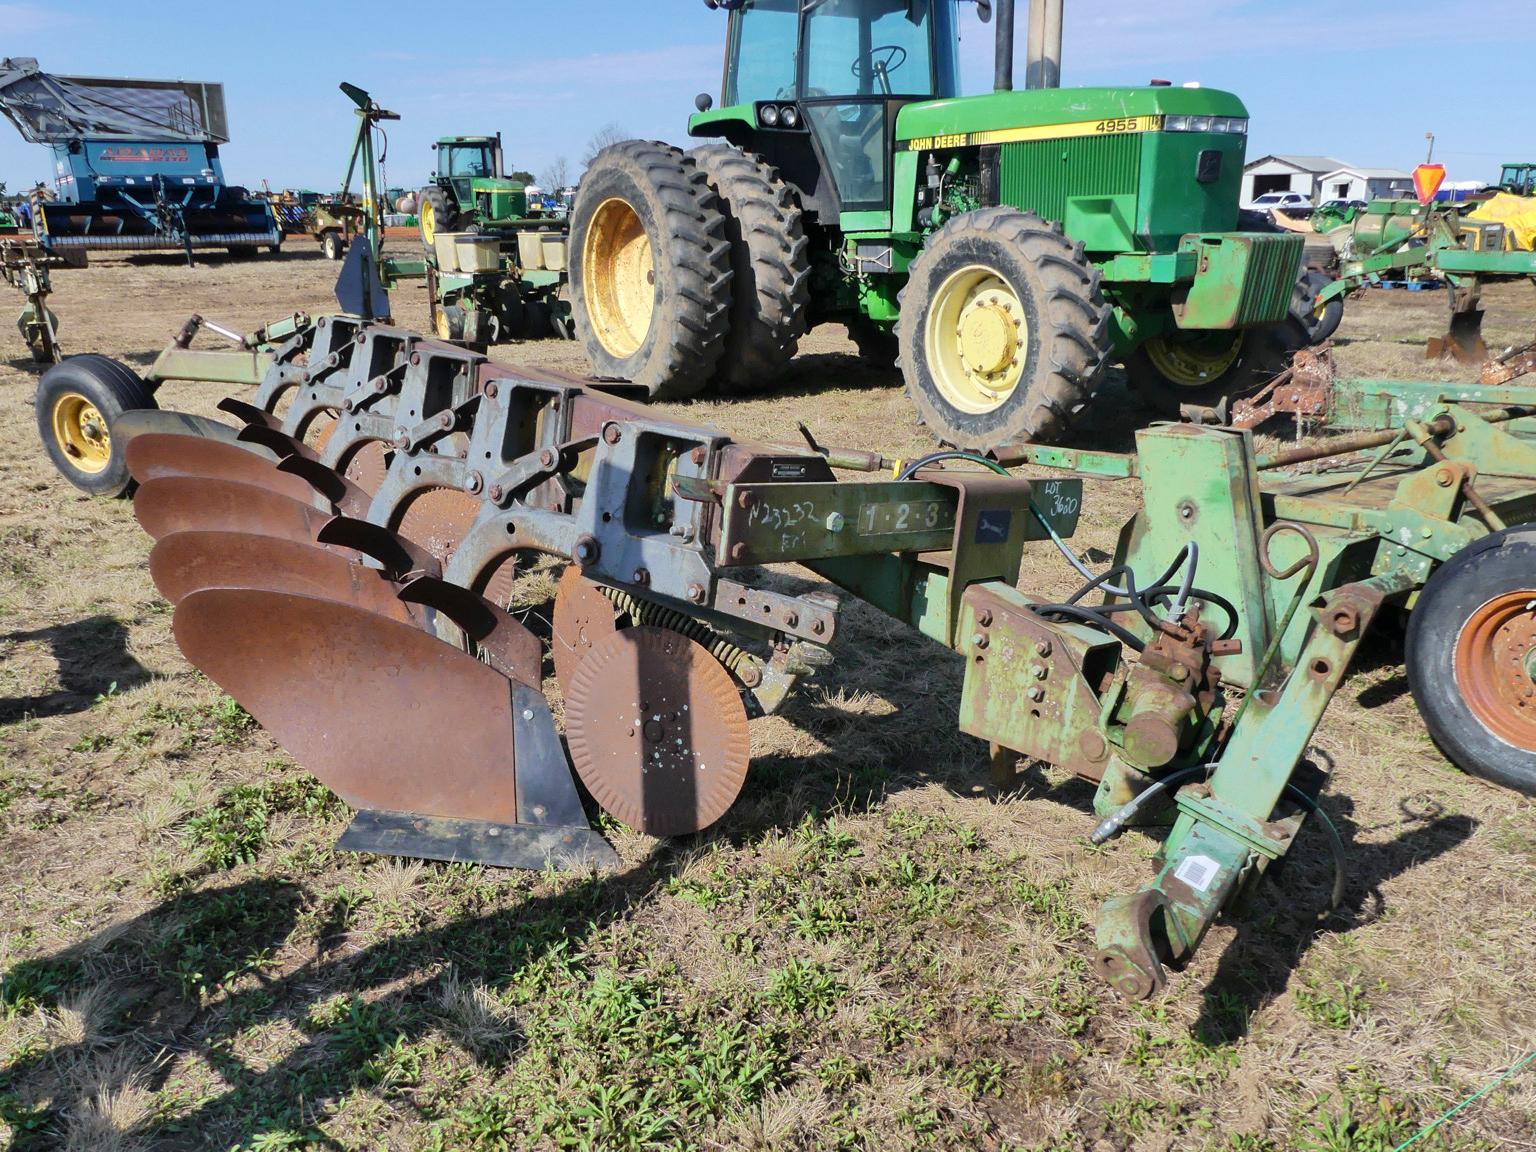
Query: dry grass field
point(872, 951)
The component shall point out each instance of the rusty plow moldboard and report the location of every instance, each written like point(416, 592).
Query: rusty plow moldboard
point(445, 754)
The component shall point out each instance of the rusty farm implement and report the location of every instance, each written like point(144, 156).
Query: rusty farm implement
point(339, 555)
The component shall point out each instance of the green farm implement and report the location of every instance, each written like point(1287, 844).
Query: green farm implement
point(494, 267)
point(339, 554)
point(1004, 248)
point(1398, 239)
point(26, 267)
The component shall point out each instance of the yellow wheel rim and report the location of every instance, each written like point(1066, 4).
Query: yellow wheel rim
point(428, 219)
point(619, 272)
point(977, 340)
point(1191, 362)
point(440, 324)
point(81, 433)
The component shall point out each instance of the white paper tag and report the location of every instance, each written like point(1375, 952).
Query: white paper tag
point(1197, 872)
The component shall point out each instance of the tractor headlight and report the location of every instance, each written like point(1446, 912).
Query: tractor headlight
point(1236, 125)
point(791, 117)
point(770, 116)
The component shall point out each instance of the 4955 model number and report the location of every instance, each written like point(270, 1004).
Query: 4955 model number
point(1123, 124)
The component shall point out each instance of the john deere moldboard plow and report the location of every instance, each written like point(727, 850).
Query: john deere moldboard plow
point(339, 553)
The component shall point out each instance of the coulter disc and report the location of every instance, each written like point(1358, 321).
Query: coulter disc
point(657, 731)
point(439, 519)
point(583, 617)
point(388, 716)
point(366, 466)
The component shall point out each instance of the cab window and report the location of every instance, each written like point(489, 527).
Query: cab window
point(471, 162)
point(764, 52)
point(868, 48)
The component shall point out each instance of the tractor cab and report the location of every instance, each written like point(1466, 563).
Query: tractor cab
point(1520, 179)
point(823, 80)
point(468, 189)
point(463, 160)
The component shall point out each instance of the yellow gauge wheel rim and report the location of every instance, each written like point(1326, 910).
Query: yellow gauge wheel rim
point(80, 430)
point(618, 270)
point(976, 339)
point(440, 323)
point(1194, 362)
point(428, 219)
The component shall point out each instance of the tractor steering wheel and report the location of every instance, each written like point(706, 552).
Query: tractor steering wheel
point(880, 63)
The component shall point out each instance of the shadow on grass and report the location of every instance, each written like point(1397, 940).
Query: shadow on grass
point(92, 655)
point(190, 947)
point(1291, 911)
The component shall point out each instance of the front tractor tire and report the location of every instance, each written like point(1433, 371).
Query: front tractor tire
point(434, 213)
point(770, 267)
point(650, 274)
point(1004, 332)
point(78, 401)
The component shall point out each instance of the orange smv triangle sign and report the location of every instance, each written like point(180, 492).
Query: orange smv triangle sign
point(1427, 179)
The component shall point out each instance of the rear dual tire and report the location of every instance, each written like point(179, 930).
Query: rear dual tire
point(770, 267)
point(650, 274)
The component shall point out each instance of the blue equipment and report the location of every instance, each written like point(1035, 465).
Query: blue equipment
point(136, 164)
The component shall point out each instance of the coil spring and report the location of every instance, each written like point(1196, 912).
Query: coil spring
point(648, 613)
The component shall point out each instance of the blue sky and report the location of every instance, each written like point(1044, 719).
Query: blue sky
point(549, 74)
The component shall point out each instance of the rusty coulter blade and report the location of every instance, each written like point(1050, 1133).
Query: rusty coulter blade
point(156, 455)
point(388, 716)
point(583, 617)
point(185, 563)
point(191, 504)
point(657, 731)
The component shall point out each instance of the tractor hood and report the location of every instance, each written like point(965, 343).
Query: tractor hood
point(1057, 112)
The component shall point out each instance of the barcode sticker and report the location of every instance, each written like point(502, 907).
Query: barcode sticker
point(1197, 872)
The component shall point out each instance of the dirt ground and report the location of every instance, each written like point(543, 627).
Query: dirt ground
point(871, 951)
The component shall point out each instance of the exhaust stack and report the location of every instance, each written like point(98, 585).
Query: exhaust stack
point(1003, 69)
point(1043, 68)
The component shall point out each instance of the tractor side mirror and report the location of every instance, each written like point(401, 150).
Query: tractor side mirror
point(984, 11)
point(703, 101)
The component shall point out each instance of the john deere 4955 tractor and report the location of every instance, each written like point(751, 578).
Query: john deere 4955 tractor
point(1004, 246)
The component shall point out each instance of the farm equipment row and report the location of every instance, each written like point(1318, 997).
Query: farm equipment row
point(340, 552)
point(1392, 239)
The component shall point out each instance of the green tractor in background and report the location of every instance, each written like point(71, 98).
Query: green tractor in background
point(1518, 179)
point(1003, 248)
point(468, 188)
